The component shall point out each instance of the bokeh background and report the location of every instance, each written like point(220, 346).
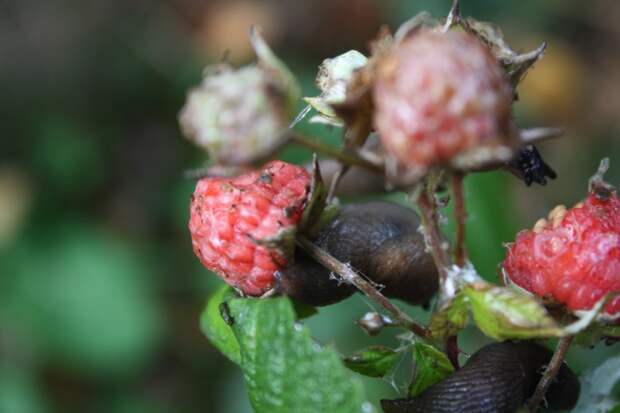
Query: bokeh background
point(100, 294)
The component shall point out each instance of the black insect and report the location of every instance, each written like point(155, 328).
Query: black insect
point(529, 166)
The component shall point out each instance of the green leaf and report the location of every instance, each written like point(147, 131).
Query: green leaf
point(615, 409)
point(505, 313)
point(215, 327)
point(597, 388)
point(431, 367)
point(451, 318)
point(285, 370)
point(375, 361)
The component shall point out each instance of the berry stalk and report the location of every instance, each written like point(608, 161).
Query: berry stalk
point(432, 235)
point(550, 373)
point(352, 277)
point(344, 156)
point(460, 215)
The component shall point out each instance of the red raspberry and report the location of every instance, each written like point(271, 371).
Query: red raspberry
point(573, 257)
point(439, 95)
point(229, 216)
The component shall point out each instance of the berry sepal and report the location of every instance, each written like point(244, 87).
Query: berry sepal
point(317, 211)
point(332, 80)
point(514, 64)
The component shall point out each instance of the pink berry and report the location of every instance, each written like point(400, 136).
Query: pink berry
point(440, 95)
point(230, 217)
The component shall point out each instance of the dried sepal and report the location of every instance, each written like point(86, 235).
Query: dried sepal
point(413, 25)
point(515, 65)
point(357, 108)
point(317, 212)
point(332, 80)
point(281, 245)
point(597, 184)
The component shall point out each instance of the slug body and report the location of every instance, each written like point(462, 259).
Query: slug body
point(378, 239)
point(499, 378)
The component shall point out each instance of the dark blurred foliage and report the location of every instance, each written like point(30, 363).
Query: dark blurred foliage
point(100, 293)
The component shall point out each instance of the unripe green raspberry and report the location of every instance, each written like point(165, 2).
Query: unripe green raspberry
point(240, 116)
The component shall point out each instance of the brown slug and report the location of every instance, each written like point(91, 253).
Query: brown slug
point(380, 240)
point(499, 378)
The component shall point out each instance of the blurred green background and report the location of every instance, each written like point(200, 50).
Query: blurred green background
point(100, 294)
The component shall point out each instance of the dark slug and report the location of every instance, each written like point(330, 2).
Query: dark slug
point(380, 240)
point(499, 378)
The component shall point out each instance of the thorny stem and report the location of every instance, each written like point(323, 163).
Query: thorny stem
point(550, 372)
point(343, 155)
point(435, 241)
point(460, 215)
point(460, 255)
point(350, 276)
point(433, 237)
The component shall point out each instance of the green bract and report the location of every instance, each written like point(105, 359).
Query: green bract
point(375, 361)
point(503, 313)
point(431, 367)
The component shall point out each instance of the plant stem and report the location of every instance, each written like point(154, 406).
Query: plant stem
point(343, 155)
point(452, 351)
point(433, 236)
point(436, 243)
point(550, 372)
point(460, 215)
point(350, 276)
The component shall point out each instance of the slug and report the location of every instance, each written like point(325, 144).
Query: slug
point(499, 378)
point(380, 240)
